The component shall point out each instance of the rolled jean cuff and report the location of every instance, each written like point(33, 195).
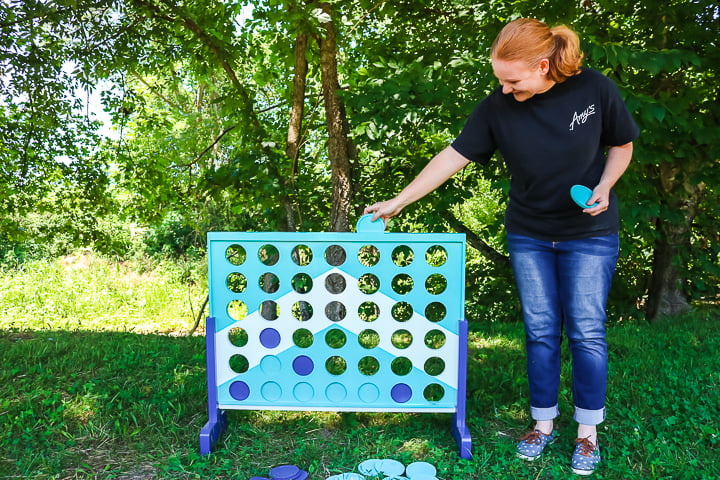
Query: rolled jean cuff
point(540, 414)
point(589, 417)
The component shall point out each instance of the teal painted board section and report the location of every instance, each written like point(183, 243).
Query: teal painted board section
point(432, 308)
point(274, 380)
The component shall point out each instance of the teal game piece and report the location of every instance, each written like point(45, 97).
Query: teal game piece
point(326, 321)
point(580, 195)
point(365, 224)
point(370, 467)
point(417, 469)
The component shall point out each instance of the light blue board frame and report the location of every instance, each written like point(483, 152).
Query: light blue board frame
point(283, 395)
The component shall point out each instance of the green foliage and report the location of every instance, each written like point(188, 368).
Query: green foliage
point(202, 96)
point(84, 291)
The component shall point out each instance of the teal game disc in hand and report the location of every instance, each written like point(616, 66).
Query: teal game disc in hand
point(580, 195)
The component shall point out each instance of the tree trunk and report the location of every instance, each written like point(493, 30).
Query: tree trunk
point(340, 148)
point(666, 295)
point(294, 137)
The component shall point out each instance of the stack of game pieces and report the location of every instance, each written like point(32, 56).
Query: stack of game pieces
point(285, 472)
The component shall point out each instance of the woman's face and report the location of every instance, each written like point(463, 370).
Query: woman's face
point(520, 79)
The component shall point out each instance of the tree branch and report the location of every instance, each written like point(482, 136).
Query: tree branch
point(215, 142)
point(152, 89)
point(476, 242)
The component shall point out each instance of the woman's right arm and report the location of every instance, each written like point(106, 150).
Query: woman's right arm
point(442, 166)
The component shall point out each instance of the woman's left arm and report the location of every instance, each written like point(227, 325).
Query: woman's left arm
point(617, 162)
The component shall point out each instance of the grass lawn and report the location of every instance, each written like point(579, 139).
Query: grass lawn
point(98, 380)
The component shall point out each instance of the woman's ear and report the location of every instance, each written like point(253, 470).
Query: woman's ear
point(544, 66)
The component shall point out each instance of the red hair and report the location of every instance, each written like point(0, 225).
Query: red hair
point(531, 40)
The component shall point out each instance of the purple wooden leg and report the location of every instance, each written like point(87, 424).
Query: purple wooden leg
point(218, 418)
point(459, 427)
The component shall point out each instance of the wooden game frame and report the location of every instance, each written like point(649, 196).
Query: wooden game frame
point(265, 288)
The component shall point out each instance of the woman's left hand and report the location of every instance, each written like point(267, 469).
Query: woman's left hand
point(601, 195)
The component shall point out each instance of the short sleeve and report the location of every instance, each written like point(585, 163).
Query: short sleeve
point(618, 127)
point(476, 141)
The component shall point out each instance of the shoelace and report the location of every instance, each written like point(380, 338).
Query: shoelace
point(533, 437)
point(586, 446)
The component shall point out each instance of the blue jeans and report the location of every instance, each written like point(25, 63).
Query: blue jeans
point(565, 284)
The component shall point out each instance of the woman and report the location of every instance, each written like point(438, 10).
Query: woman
point(555, 124)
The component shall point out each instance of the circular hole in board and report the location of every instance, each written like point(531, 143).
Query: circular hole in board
point(402, 255)
point(335, 338)
point(269, 310)
point(303, 338)
point(238, 337)
point(269, 282)
point(335, 283)
point(235, 254)
point(369, 339)
point(401, 366)
point(268, 255)
point(302, 283)
point(336, 365)
point(236, 282)
point(435, 339)
point(368, 311)
point(302, 255)
point(435, 284)
point(302, 311)
point(434, 392)
point(369, 255)
point(402, 311)
point(434, 366)
point(435, 312)
point(436, 256)
point(402, 283)
point(368, 283)
point(238, 363)
point(335, 311)
point(335, 255)
point(237, 310)
point(401, 339)
point(368, 366)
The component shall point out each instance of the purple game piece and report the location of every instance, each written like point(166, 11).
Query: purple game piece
point(270, 338)
point(303, 365)
point(284, 472)
point(239, 390)
point(401, 393)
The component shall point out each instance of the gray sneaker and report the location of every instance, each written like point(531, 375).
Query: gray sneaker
point(532, 444)
point(586, 457)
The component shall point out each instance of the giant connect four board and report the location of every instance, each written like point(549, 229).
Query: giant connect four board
point(366, 321)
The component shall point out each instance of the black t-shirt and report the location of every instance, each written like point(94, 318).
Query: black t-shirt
point(551, 142)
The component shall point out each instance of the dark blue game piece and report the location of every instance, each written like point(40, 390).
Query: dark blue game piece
point(270, 338)
point(284, 472)
point(401, 393)
point(303, 365)
point(239, 391)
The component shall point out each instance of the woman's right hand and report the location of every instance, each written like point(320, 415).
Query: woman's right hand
point(386, 209)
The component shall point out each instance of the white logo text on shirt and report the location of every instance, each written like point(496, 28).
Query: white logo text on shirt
point(582, 116)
